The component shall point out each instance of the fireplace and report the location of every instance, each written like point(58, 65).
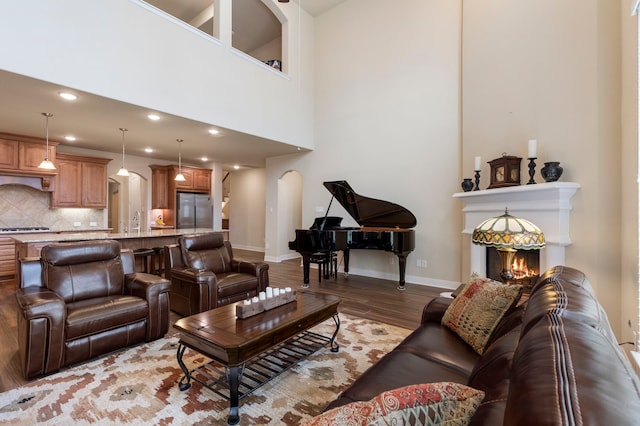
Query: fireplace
point(525, 266)
point(546, 204)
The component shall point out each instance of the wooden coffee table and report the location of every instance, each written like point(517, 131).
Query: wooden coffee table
point(249, 352)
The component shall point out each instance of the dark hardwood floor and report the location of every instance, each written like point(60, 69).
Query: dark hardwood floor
point(365, 297)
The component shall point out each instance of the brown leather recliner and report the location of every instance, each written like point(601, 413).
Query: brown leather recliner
point(83, 299)
point(204, 274)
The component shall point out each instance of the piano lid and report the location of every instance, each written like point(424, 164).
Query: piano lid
point(368, 211)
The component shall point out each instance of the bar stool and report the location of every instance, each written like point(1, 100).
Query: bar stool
point(158, 259)
point(146, 255)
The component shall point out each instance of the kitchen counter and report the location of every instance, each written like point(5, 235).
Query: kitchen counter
point(29, 245)
point(49, 237)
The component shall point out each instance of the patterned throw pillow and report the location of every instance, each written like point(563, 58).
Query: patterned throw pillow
point(478, 309)
point(444, 403)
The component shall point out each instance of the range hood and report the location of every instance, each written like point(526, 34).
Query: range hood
point(41, 183)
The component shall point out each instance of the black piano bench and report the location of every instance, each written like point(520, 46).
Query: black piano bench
point(327, 264)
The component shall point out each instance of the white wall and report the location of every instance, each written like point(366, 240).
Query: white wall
point(629, 160)
point(288, 213)
point(387, 111)
point(551, 70)
point(246, 215)
point(122, 51)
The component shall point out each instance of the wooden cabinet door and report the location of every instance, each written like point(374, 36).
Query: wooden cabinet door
point(202, 180)
point(159, 188)
point(188, 178)
point(8, 154)
point(32, 154)
point(7, 257)
point(68, 190)
point(94, 185)
point(81, 182)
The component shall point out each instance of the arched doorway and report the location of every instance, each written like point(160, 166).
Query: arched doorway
point(128, 203)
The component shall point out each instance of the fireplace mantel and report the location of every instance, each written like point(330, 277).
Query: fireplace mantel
point(545, 204)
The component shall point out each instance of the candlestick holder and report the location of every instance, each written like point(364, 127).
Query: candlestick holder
point(532, 170)
point(477, 187)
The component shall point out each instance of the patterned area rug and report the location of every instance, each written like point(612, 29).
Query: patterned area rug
point(140, 385)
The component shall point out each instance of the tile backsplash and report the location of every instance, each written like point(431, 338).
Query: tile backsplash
point(23, 206)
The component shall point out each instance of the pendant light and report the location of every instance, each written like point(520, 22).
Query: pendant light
point(179, 177)
point(123, 171)
point(46, 163)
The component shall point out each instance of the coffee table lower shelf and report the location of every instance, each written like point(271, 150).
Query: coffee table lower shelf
point(262, 368)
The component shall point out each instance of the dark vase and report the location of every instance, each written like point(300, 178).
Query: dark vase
point(467, 185)
point(551, 171)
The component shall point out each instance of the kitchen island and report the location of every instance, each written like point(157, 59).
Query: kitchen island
point(29, 245)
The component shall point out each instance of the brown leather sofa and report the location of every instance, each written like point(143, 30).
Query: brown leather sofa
point(551, 361)
point(83, 299)
point(205, 275)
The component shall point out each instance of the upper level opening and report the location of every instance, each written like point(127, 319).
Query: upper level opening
point(255, 29)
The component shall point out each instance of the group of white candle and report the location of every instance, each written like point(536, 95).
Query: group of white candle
point(268, 294)
point(531, 154)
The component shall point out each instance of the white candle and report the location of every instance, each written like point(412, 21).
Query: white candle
point(262, 295)
point(477, 164)
point(255, 299)
point(532, 148)
point(247, 302)
point(276, 292)
point(270, 292)
point(287, 289)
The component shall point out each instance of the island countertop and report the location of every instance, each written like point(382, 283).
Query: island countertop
point(29, 245)
point(50, 237)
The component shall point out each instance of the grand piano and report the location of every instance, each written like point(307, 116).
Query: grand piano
point(383, 226)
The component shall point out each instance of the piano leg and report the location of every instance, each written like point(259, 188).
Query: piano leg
point(402, 265)
point(345, 257)
point(305, 271)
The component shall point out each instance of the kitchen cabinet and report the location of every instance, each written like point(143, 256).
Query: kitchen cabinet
point(7, 257)
point(21, 155)
point(81, 182)
point(164, 187)
point(159, 188)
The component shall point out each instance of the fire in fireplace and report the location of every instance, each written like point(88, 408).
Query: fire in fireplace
point(525, 267)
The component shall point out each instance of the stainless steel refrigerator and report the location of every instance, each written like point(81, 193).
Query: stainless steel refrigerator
point(193, 210)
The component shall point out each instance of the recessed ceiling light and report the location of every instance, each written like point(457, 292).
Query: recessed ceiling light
point(214, 131)
point(68, 96)
point(204, 159)
point(236, 167)
point(148, 150)
point(70, 138)
point(154, 117)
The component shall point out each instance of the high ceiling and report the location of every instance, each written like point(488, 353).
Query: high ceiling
point(94, 120)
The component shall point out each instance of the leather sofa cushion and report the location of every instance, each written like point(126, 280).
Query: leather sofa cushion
point(394, 370)
point(83, 272)
point(441, 345)
point(575, 374)
point(216, 260)
point(207, 251)
point(234, 283)
point(492, 375)
point(93, 316)
point(566, 290)
point(491, 372)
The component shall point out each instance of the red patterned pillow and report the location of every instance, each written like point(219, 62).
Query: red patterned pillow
point(478, 309)
point(444, 403)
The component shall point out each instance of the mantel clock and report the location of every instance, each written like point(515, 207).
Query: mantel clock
point(505, 171)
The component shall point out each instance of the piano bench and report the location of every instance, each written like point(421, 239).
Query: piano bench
point(327, 264)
